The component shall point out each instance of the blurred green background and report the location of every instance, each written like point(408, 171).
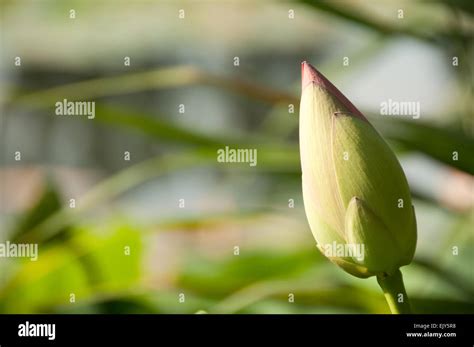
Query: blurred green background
point(183, 260)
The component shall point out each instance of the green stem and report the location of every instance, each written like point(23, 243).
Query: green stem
point(395, 293)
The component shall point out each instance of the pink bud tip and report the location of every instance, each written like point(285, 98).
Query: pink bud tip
point(309, 75)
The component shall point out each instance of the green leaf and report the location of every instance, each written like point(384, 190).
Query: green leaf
point(437, 142)
point(155, 127)
point(93, 261)
point(47, 205)
point(352, 15)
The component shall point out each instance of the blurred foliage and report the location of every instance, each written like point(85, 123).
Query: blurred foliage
point(85, 255)
point(89, 262)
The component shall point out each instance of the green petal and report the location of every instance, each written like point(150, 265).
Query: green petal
point(363, 227)
point(319, 180)
point(373, 173)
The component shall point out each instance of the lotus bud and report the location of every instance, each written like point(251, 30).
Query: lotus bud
point(356, 196)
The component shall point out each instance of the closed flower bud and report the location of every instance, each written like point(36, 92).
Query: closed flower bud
point(356, 196)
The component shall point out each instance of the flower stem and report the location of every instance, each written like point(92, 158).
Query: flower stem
point(395, 293)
